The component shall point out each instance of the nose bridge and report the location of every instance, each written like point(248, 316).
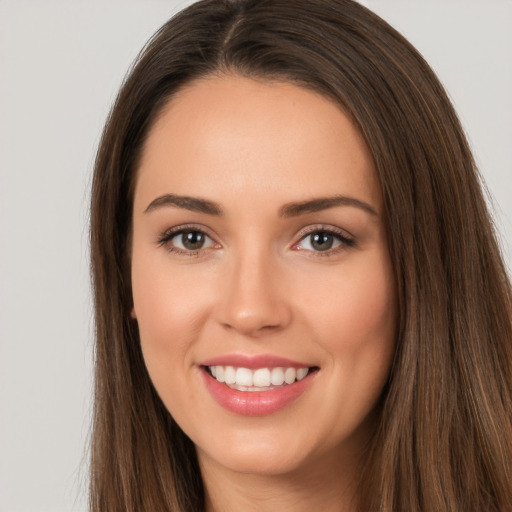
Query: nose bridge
point(252, 299)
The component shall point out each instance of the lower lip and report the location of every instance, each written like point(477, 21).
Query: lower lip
point(255, 403)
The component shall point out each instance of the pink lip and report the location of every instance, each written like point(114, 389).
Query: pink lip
point(254, 403)
point(254, 362)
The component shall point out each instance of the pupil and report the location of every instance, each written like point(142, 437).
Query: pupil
point(322, 241)
point(193, 240)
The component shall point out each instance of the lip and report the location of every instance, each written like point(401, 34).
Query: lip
point(255, 403)
point(254, 362)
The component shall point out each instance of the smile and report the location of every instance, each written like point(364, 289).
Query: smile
point(259, 379)
point(256, 386)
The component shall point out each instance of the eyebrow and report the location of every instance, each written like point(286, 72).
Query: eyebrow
point(323, 203)
point(294, 209)
point(194, 204)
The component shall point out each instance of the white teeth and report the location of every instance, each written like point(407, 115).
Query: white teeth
point(245, 379)
point(301, 373)
point(261, 378)
point(229, 375)
point(290, 374)
point(277, 378)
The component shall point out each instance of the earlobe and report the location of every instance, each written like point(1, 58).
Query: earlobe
point(133, 315)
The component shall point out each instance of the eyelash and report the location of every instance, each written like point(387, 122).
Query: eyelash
point(168, 235)
point(346, 241)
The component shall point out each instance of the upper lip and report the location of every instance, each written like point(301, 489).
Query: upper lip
point(253, 362)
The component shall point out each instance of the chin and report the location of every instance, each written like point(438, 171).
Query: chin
point(256, 460)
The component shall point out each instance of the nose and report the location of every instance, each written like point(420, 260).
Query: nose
point(252, 298)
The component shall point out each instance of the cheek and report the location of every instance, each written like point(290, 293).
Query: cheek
point(166, 298)
point(355, 323)
point(169, 310)
point(366, 308)
point(356, 308)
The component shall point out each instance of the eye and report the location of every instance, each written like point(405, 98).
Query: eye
point(186, 240)
point(191, 240)
point(324, 240)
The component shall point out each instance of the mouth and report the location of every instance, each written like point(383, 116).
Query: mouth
point(259, 379)
point(256, 387)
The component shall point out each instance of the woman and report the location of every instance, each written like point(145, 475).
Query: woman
point(300, 302)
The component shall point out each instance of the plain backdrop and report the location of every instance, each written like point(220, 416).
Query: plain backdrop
point(61, 63)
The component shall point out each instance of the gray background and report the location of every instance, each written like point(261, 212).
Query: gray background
point(61, 63)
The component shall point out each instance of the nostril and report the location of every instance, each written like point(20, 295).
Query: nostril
point(255, 322)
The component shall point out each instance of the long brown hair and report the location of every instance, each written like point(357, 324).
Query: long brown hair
point(443, 440)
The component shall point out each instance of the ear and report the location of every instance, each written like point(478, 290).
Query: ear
point(133, 314)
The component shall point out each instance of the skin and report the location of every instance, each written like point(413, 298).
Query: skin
point(259, 286)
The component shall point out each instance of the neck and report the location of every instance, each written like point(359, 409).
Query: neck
point(327, 484)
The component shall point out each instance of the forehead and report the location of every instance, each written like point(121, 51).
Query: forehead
point(228, 135)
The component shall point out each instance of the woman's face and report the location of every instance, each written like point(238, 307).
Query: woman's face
point(259, 256)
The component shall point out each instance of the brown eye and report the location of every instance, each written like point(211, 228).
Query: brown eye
point(186, 241)
point(322, 241)
point(192, 240)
